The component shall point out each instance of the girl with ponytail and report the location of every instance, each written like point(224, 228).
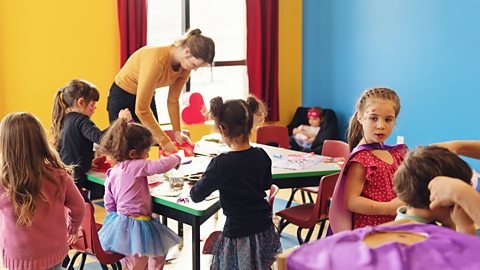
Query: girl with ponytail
point(249, 239)
point(364, 196)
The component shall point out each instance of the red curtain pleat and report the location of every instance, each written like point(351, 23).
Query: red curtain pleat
point(132, 21)
point(262, 53)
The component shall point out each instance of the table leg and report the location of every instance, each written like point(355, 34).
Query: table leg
point(196, 244)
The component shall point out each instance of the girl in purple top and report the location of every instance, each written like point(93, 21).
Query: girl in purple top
point(128, 227)
point(40, 207)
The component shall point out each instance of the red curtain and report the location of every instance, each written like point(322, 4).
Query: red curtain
point(262, 53)
point(132, 21)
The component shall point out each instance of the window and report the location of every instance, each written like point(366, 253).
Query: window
point(223, 21)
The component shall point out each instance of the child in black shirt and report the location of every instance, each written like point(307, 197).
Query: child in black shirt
point(249, 239)
point(73, 131)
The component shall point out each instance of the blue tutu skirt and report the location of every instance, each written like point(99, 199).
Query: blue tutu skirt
point(131, 237)
point(250, 252)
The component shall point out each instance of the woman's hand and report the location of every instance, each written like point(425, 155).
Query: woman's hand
point(169, 148)
point(181, 138)
point(125, 113)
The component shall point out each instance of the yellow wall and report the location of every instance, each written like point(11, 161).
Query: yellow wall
point(44, 44)
point(289, 58)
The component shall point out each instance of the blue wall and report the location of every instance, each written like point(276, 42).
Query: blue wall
point(427, 50)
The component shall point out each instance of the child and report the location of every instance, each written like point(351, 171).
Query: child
point(129, 228)
point(35, 189)
point(304, 135)
point(249, 239)
point(72, 130)
point(258, 109)
point(411, 185)
point(366, 187)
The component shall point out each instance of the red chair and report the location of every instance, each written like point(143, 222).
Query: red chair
point(212, 238)
point(89, 244)
point(331, 148)
point(273, 135)
point(306, 216)
point(271, 196)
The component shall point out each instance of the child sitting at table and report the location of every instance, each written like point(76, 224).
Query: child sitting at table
point(411, 185)
point(249, 239)
point(129, 228)
point(304, 135)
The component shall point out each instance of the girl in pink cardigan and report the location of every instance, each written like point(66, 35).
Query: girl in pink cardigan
point(35, 190)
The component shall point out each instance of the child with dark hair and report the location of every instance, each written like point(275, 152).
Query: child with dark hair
point(129, 228)
point(73, 132)
point(249, 239)
point(411, 185)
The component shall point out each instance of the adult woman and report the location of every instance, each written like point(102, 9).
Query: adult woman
point(152, 67)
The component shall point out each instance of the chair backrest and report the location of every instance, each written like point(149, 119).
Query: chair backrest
point(271, 196)
point(335, 148)
point(275, 135)
point(325, 192)
point(88, 240)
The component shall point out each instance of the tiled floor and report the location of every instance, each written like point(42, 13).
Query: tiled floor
point(182, 259)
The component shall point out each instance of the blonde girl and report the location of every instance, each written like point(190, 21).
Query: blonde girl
point(35, 190)
point(365, 196)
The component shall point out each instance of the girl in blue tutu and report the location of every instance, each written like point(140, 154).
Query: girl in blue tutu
point(249, 239)
point(128, 227)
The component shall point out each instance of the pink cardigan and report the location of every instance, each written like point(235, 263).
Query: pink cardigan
point(44, 244)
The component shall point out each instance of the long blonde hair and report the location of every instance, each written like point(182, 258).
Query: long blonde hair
point(24, 156)
point(355, 128)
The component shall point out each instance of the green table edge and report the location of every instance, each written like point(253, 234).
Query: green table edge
point(303, 174)
point(164, 202)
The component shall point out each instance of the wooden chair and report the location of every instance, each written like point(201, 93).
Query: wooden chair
point(274, 135)
point(306, 216)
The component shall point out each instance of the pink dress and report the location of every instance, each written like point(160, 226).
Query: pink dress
point(378, 183)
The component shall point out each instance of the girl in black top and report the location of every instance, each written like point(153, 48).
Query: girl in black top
point(73, 131)
point(249, 239)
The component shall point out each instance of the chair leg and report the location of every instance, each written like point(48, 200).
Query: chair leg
point(282, 226)
point(322, 227)
point(72, 261)
point(309, 234)
point(304, 201)
point(104, 267)
point(292, 195)
point(118, 265)
point(84, 259)
point(310, 197)
point(299, 236)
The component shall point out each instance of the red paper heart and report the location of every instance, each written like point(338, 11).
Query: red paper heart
point(194, 113)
